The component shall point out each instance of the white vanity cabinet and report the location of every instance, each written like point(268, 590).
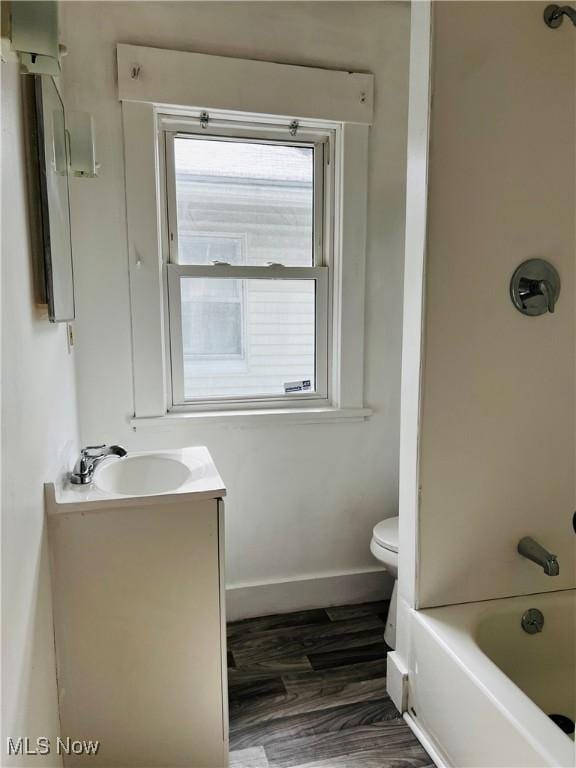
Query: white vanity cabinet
point(138, 586)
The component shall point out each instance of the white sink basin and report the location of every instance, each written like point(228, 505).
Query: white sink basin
point(180, 473)
point(141, 475)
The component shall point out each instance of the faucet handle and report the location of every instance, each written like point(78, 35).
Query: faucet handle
point(547, 290)
point(87, 451)
point(535, 287)
point(98, 451)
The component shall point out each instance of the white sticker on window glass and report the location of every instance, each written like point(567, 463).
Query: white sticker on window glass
point(298, 386)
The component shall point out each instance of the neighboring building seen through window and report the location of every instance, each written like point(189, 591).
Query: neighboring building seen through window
point(245, 204)
point(212, 310)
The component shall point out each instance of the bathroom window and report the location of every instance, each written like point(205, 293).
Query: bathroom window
point(248, 262)
point(246, 199)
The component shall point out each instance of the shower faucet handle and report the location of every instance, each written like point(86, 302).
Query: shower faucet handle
point(547, 290)
point(535, 287)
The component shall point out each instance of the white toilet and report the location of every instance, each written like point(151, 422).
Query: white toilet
point(384, 547)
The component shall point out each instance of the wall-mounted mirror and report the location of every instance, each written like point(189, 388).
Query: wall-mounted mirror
point(51, 154)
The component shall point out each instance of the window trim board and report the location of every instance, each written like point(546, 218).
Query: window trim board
point(154, 76)
point(147, 247)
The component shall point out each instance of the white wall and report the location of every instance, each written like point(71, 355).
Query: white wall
point(497, 428)
point(39, 435)
point(302, 499)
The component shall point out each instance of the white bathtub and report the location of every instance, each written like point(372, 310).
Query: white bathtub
point(482, 688)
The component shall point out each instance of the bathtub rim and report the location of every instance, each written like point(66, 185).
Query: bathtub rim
point(453, 628)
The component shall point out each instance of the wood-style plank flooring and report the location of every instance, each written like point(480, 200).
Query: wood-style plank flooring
point(308, 690)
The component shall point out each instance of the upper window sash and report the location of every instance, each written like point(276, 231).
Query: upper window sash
point(321, 141)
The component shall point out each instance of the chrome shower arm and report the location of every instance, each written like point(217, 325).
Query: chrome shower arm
point(567, 10)
point(554, 14)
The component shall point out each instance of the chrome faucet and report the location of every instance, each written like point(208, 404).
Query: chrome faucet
point(530, 549)
point(90, 457)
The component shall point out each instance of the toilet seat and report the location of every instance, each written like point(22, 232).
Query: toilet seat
point(385, 534)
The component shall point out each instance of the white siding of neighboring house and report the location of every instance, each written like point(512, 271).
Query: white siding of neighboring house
point(274, 222)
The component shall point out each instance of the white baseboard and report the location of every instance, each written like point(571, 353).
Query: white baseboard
point(247, 600)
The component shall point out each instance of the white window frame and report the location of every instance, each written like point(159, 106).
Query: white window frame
point(322, 141)
point(336, 102)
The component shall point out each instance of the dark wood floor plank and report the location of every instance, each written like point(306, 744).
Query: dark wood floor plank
point(392, 741)
point(271, 664)
point(343, 612)
point(373, 758)
point(270, 638)
point(307, 690)
point(271, 669)
point(263, 679)
point(306, 646)
point(296, 619)
point(322, 678)
point(331, 720)
point(350, 655)
point(254, 689)
point(262, 709)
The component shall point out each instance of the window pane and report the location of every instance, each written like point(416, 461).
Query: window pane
point(244, 202)
point(205, 249)
point(211, 329)
point(255, 339)
point(210, 289)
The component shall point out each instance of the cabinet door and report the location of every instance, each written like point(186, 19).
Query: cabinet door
point(137, 611)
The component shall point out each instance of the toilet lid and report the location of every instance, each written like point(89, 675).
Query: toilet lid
point(386, 534)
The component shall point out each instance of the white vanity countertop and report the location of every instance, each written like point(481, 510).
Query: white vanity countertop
point(202, 482)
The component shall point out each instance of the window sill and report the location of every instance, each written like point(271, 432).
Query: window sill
point(254, 417)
